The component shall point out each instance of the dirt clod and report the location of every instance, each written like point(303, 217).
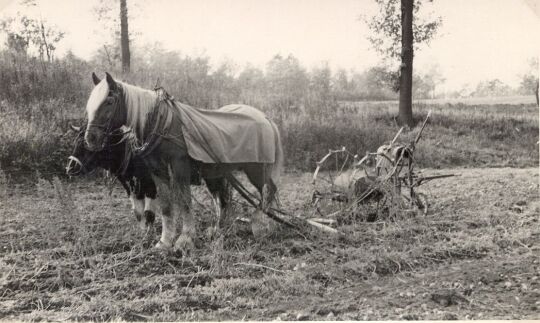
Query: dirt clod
point(447, 298)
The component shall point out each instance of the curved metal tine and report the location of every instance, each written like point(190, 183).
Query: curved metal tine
point(396, 136)
point(319, 163)
point(344, 163)
point(74, 160)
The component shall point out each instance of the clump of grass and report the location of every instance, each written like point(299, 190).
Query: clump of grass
point(44, 187)
point(4, 182)
point(218, 258)
point(63, 224)
point(64, 197)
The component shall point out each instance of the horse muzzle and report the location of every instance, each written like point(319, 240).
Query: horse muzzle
point(94, 140)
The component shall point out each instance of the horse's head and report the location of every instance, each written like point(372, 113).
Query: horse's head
point(81, 160)
point(106, 112)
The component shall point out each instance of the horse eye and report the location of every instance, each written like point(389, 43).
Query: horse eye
point(110, 100)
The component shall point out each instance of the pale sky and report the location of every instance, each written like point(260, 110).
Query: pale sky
point(479, 39)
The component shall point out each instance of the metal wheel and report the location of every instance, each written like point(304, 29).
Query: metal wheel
point(331, 183)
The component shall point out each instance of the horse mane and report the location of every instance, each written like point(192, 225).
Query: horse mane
point(139, 104)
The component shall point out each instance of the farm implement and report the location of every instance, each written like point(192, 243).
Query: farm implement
point(380, 186)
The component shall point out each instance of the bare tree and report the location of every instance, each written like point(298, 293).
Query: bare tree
point(26, 33)
point(124, 37)
point(114, 16)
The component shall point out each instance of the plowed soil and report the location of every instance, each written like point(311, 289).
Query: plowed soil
point(71, 251)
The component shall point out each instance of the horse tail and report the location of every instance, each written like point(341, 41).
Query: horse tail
point(278, 163)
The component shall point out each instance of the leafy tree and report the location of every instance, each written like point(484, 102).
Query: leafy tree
point(341, 85)
point(529, 81)
point(320, 86)
point(492, 88)
point(398, 32)
point(287, 82)
point(27, 35)
point(424, 85)
point(251, 83)
point(224, 85)
point(375, 83)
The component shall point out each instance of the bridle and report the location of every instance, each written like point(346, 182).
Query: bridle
point(107, 127)
point(74, 161)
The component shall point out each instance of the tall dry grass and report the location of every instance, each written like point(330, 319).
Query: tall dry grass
point(479, 136)
point(39, 100)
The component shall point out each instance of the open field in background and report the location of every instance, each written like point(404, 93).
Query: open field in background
point(498, 100)
point(456, 135)
point(36, 137)
point(78, 255)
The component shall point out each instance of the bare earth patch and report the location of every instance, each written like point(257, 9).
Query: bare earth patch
point(475, 256)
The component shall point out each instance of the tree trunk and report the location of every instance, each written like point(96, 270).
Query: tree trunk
point(44, 40)
point(124, 37)
point(406, 75)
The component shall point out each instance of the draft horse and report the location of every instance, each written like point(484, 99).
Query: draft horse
point(158, 128)
point(134, 176)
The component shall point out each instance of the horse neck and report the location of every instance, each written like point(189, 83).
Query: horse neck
point(138, 103)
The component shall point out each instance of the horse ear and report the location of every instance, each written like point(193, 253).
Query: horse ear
point(111, 81)
point(95, 78)
point(75, 128)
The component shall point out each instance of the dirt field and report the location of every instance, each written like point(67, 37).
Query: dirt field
point(80, 256)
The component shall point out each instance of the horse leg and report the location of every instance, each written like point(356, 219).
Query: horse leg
point(137, 201)
point(259, 176)
point(224, 199)
point(137, 207)
point(219, 190)
point(181, 203)
point(149, 214)
point(168, 231)
point(269, 192)
point(148, 188)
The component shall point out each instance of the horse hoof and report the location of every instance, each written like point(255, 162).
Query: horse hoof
point(184, 244)
point(261, 225)
point(145, 227)
point(162, 246)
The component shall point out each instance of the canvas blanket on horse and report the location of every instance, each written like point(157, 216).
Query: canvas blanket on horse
point(235, 133)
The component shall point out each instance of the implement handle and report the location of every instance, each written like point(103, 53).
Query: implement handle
point(422, 129)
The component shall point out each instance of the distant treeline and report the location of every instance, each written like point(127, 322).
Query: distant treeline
point(40, 98)
point(283, 84)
